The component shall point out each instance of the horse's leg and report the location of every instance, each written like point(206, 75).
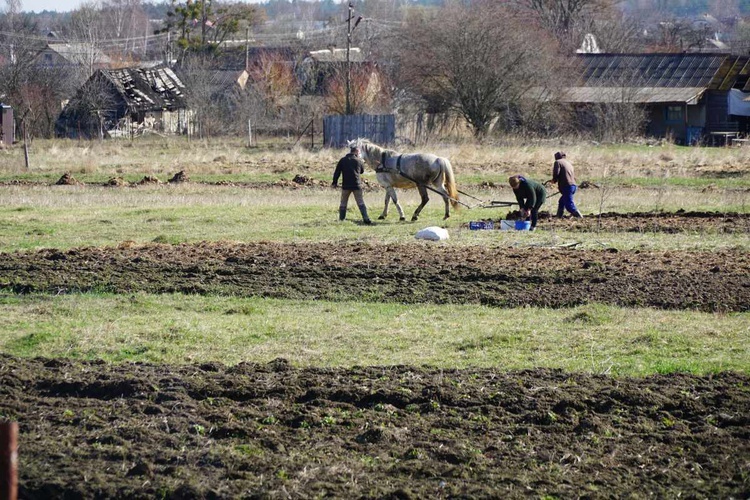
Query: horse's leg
point(385, 206)
point(401, 216)
point(425, 199)
point(446, 199)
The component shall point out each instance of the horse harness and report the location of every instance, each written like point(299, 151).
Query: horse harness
point(382, 168)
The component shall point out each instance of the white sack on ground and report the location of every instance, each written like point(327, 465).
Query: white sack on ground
point(432, 233)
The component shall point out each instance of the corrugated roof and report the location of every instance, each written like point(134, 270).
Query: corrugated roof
point(80, 53)
point(639, 95)
point(651, 70)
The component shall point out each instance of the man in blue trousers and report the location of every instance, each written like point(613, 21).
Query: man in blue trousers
point(562, 175)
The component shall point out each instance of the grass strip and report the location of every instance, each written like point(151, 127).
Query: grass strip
point(67, 217)
point(187, 329)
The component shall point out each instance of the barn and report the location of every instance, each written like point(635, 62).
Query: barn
point(692, 98)
point(127, 101)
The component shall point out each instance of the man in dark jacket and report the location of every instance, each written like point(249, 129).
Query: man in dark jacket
point(530, 195)
point(350, 167)
point(562, 175)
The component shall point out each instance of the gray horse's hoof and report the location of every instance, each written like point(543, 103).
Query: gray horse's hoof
point(382, 217)
point(402, 219)
point(415, 218)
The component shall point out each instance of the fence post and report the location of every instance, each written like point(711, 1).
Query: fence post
point(8, 460)
point(312, 133)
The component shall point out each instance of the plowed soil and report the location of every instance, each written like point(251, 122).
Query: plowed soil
point(408, 273)
point(91, 430)
point(640, 222)
point(95, 430)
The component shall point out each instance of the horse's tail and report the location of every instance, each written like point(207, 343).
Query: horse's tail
point(449, 181)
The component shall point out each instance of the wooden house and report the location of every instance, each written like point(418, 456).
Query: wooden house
point(127, 101)
point(694, 98)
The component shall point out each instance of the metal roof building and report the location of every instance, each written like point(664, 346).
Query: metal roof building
point(686, 94)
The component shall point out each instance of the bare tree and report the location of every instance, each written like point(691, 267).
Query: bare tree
point(565, 19)
point(34, 91)
point(125, 21)
point(273, 78)
point(87, 28)
point(92, 111)
point(475, 60)
point(677, 35)
point(368, 92)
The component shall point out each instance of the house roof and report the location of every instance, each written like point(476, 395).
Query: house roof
point(79, 53)
point(641, 95)
point(218, 80)
point(649, 70)
point(653, 78)
point(148, 89)
point(337, 55)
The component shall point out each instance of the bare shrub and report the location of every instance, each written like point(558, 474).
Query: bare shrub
point(617, 122)
point(368, 92)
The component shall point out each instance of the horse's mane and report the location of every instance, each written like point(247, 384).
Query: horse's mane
point(380, 149)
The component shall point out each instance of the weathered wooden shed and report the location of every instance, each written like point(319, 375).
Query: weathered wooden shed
point(686, 95)
point(127, 101)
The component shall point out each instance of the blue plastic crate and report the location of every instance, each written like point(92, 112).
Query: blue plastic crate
point(477, 225)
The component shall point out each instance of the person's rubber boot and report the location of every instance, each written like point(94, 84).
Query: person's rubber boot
point(342, 214)
point(365, 217)
point(578, 214)
point(560, 212)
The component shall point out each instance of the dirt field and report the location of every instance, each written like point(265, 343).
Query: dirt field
point(411, 273)
point(641, 222)
point(91, 430)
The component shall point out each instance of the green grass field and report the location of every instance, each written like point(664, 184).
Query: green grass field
point(179, 329)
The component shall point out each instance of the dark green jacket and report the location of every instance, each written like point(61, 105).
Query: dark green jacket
point(530, 194)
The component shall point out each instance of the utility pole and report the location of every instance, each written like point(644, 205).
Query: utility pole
point(169, 49)
point(247, 48)
point(348, 59)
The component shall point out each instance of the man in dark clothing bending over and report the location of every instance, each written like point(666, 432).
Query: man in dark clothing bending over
point(350, 167)
point(530, 195)
point(562, 175)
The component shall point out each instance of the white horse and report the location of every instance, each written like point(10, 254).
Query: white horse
point(424, 171)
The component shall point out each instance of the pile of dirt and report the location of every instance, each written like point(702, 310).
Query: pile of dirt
point(180, 176)
point(306, 181)
point(117, 182)
point(97, 430)
point(404, 273)
point(68, 180)
point(149, 179)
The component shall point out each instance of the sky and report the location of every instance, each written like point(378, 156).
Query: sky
point(66, 5)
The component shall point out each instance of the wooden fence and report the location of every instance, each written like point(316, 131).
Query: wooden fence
point(338, 129)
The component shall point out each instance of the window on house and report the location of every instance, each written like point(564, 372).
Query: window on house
point(674, 114)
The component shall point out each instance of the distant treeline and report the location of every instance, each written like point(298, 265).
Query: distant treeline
point(325, 9)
